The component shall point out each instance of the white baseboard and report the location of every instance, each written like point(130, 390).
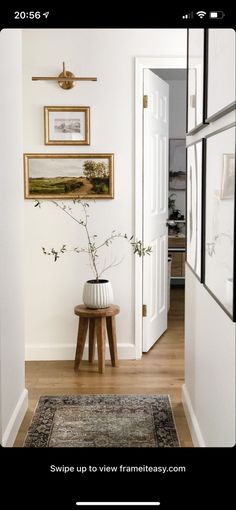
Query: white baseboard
point(67, 352)
point(10, 433)
point(193, 424)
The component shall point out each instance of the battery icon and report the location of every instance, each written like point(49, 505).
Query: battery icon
point(217, 14)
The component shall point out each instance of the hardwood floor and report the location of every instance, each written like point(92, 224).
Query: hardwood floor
point(161, 370)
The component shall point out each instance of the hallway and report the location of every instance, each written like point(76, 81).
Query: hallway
point(159, 371)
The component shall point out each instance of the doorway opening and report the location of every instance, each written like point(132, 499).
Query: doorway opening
point(164, 127)
point(177, 81)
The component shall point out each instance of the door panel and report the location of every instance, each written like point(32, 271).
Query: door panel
point(163, 250)
point(155, 197)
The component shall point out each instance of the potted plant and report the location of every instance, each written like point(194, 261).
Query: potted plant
point(97, 292)
point(171, 203)
point(175, 214)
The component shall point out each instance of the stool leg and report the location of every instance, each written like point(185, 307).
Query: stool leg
point(91, 340)
point(100, 330)
point(111, 332)
point(82, 331)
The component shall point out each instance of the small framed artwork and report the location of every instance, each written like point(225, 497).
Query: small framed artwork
point(177, 164)
point(221, 82)
point(67, 125)
point(69, 176)
point(195, 154)
point(219, 223)
point(195, 79)
point(227, 179)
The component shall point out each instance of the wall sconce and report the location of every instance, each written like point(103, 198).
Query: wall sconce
point(66, 80)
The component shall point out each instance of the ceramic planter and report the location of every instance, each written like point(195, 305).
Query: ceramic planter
point(97, 294)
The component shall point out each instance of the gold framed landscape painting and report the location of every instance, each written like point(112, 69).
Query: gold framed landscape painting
point(68, 176)
point(67, 125)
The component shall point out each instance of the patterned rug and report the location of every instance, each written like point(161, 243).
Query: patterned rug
point(103, 421)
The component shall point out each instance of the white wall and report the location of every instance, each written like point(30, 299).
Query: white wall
point(209, 367)
point(222, 44)
point(53, 289)
point(209, 390)
point(13, 395)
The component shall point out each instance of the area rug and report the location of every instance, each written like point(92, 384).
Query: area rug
point(103, 421)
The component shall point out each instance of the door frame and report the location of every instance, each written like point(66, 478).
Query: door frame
point(142, 63)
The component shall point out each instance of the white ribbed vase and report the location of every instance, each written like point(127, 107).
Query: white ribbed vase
point(97, 294)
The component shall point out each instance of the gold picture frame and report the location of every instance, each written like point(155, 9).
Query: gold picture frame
point(67, 125)
point(68, 176)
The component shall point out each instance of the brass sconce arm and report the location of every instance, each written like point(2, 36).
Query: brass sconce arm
point(65, 79)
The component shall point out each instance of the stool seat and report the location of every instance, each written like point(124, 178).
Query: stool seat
point(84, 311)
point(98, 320)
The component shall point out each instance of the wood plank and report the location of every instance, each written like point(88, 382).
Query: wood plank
point(176, 264)
point(84, 311)
point(101, 335)
point(92, 338)
point(82, 332)
point(176, 241)
point(111, 333)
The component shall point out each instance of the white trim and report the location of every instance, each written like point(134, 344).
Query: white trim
point(142, 63)
point(173, 418)
point(54, 352)
point(193, 424)
point(14, 423)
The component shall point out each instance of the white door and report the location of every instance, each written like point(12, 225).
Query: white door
point(155, 207)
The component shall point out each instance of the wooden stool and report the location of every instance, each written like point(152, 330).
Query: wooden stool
point(96, 319)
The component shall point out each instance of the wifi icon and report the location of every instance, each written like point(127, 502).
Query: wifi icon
point(201, 14)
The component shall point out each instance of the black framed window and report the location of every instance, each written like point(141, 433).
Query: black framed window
point(196, 58)
point(195, 160)
point(220, 76)
point(219, 221)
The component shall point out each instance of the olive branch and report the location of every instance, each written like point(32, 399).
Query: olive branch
point(93, 245)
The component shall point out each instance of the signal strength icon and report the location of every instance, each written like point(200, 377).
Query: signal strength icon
point(201, 14)
point(187, 16)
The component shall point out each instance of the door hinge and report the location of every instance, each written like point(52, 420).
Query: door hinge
point(145, 101)
point(144, 310)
